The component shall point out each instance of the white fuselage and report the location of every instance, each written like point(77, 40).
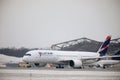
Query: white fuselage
point(49, 56)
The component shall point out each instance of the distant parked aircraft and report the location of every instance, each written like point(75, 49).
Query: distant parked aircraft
point(109, 62)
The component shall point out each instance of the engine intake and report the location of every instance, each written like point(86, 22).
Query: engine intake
point(76, 63)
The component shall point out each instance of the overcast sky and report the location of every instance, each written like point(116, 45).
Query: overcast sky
point(41, 23)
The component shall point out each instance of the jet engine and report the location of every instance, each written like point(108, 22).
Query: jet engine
point(40, 64)
point(76, 63)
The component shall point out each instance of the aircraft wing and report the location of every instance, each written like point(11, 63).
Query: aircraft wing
point(66, 59)
point(102, 57)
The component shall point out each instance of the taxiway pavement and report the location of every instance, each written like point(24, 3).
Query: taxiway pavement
point(57, 74)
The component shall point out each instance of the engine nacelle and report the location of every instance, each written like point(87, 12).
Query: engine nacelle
point(40, 64)
point(36, 64)
point(76, 63)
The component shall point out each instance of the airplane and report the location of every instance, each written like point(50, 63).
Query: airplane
point(75, 59)
point(107, 62)
point(4, 59)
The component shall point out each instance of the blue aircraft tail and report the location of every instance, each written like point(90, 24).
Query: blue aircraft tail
point(104, 47)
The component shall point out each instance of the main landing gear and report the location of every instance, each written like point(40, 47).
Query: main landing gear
point(60, 66)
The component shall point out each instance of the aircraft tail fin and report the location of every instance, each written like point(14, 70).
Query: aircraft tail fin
point(104, 47)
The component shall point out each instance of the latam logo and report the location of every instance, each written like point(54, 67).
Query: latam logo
point(45, 53)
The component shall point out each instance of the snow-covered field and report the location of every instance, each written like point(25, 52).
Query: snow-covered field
point(4, 59)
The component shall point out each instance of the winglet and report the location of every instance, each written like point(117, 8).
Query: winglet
point(104, 47)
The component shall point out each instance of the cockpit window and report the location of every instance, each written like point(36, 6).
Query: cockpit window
point(27, 54)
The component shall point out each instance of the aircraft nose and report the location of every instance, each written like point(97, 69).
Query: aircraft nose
point(24, 59)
